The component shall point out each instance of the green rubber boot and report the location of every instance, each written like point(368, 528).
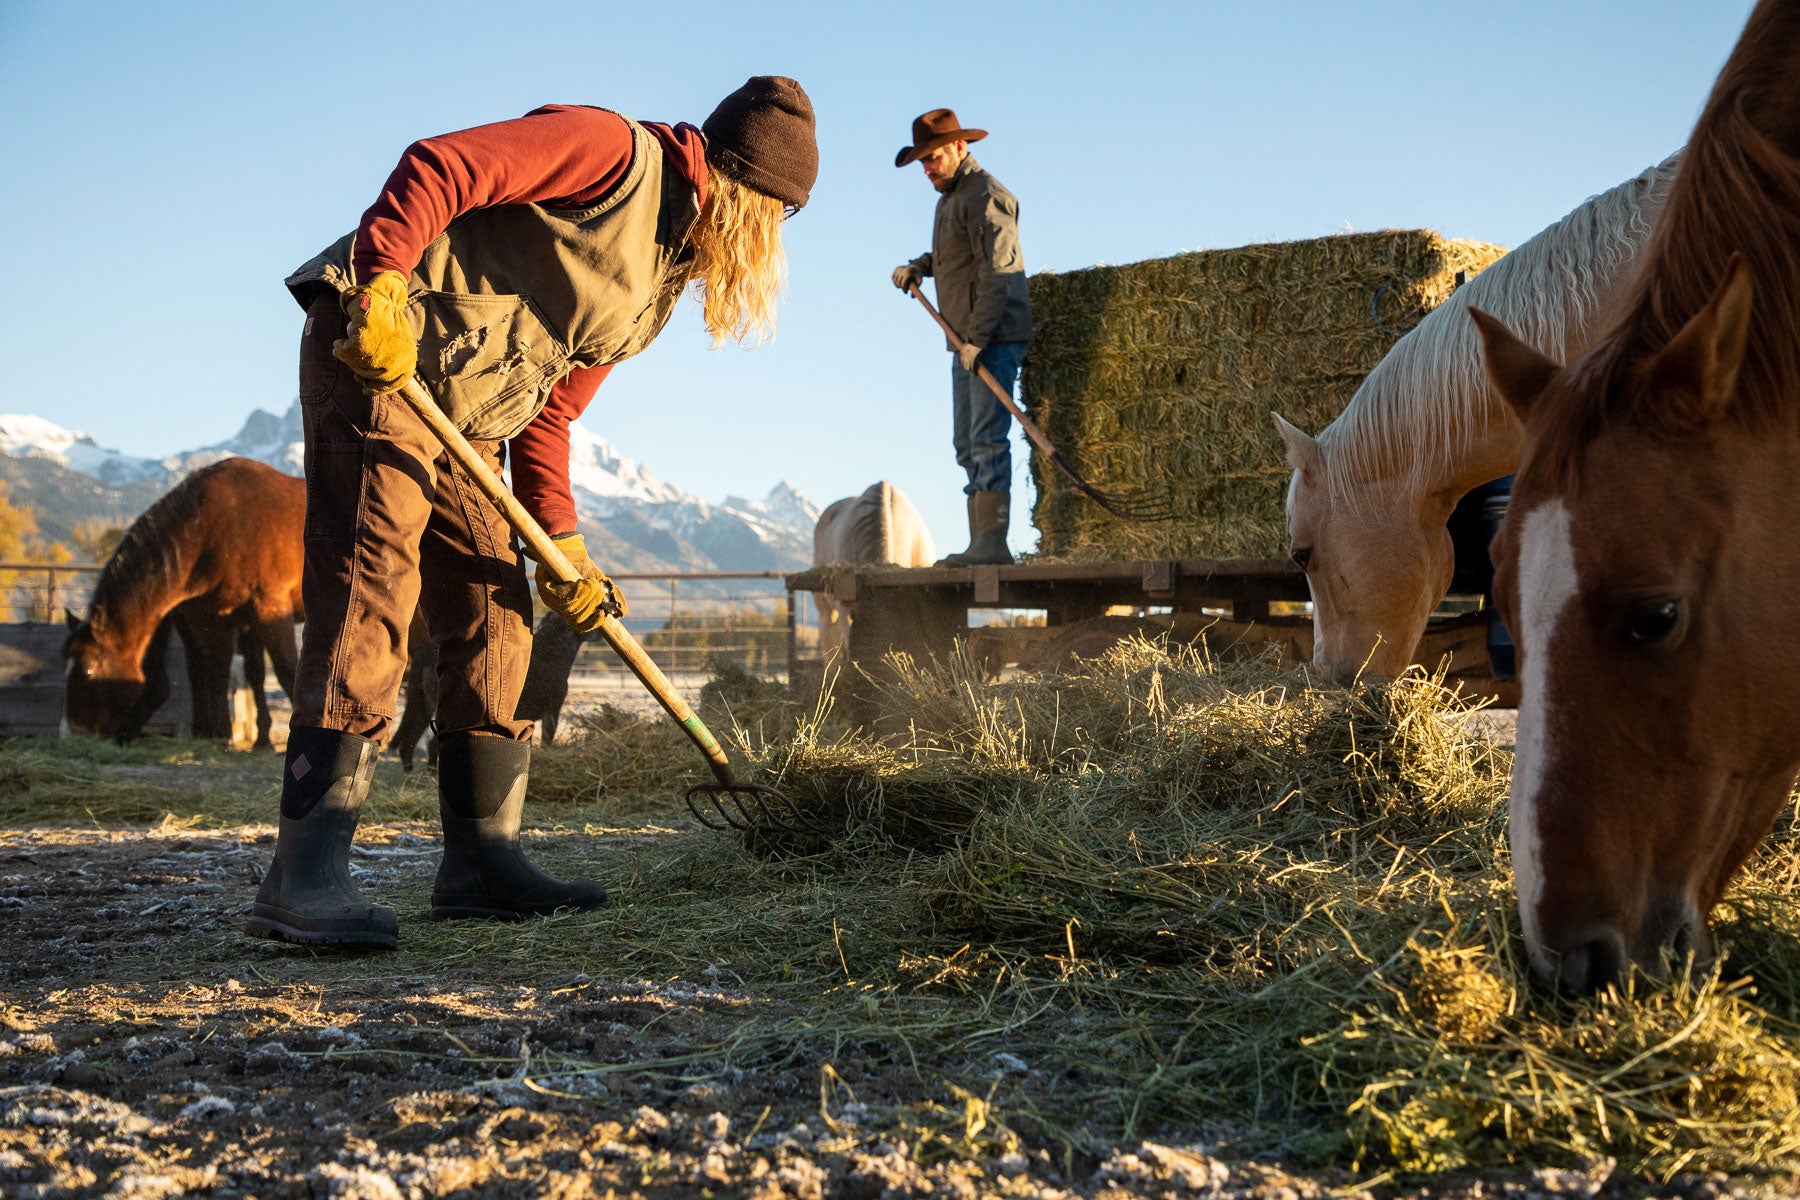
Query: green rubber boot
point(307, 896)
point(989, 515)
point(485, 875)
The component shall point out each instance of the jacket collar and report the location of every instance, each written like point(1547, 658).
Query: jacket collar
point(964, 169)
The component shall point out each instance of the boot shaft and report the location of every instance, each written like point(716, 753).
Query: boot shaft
point(326, 766)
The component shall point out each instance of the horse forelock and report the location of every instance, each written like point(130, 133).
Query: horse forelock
point(1427, 402)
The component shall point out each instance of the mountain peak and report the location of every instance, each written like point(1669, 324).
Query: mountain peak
point(656, 525)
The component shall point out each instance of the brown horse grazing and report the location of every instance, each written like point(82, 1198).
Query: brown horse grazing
point(157, 687)
point(1649, 564)
point(218, 555)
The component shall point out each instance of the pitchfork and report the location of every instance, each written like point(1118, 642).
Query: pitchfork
point(1135, 506)
point(723, 804)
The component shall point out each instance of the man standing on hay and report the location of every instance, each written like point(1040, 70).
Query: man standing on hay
point(981, 292)
point(510, 267)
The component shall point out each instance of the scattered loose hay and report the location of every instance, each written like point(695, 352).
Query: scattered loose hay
point(1162, 374)
point(1227, 893)
point(1155, 895)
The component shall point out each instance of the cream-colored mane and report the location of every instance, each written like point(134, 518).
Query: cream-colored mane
point(1424, 404)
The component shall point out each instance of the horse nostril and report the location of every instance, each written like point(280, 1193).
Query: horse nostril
point(1596, 963)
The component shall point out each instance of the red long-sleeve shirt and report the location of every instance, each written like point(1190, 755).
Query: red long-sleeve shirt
point(561, 156)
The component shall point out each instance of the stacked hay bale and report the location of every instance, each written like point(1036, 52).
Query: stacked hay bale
point(1160, 376)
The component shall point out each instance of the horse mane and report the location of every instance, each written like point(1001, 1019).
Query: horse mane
point(1427, 399)
point(871, 519)
point(148, 561)
point(1738, 192)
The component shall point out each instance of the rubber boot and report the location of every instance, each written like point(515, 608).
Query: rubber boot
point(307, 896)
point(484, 875)
point(989, 515)
point(961, 557)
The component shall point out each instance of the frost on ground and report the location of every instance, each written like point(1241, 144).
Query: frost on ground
point(148, 1050)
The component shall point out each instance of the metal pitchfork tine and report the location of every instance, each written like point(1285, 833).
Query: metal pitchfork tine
point(724, 804)
point(1135, 506)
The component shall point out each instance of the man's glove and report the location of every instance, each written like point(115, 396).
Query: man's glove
point(967, 356)
point(583, 602)
point(907, 276)
point(379, 344)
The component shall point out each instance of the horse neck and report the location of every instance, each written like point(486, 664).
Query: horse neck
point(1762, 71)
point(131, 601)
point(1428, 414)
point(1738, 195)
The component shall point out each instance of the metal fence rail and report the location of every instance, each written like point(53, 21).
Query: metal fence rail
point(40, 591)
point(692, 623)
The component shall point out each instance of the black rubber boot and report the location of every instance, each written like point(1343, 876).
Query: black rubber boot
point(307, 896)
point(989, 515)
point(484, 875)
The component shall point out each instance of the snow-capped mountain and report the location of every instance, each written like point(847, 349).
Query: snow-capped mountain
point(632, 519)
point(23, 436)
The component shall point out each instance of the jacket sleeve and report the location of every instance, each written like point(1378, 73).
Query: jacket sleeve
point(540, 452)
point(923, 262)
point(561, 154)
point(994, 245)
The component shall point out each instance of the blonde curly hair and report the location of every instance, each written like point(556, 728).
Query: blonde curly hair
point(739, 266)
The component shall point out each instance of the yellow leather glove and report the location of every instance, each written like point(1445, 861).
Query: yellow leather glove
point(379, 344)
point(583, 602)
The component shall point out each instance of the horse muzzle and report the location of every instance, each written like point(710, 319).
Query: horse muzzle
point(1671, 937)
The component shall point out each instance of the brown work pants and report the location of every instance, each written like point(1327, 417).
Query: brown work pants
point(392, 523)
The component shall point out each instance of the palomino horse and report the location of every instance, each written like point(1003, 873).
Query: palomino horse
point(1370, 496)
point(879, 526)
point(218, 555)
point(1648, 564)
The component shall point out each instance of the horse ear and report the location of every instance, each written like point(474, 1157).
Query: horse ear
point(1519, 372)
point(73, 621)
point(1303, 453)
point(1698, 369)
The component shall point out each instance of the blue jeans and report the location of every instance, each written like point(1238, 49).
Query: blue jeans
point(983, 427)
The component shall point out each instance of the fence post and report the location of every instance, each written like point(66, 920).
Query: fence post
point(793, 635)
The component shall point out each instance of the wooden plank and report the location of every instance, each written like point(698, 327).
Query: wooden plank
point(987, 585)
point(827, 579)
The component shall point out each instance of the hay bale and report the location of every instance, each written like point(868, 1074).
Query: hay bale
point(1161, 375)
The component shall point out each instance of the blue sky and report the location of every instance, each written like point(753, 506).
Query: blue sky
point(166, 165)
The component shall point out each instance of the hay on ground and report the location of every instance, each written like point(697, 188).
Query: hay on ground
point(1160, 376)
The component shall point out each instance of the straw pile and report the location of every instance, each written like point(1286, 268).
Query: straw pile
point(1160, 376)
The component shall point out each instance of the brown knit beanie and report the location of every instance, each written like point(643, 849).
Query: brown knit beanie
point(762, 136)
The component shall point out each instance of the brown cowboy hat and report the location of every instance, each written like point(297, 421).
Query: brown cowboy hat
point(938, 127)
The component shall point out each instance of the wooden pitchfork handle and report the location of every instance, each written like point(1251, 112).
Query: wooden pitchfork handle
point(1031, 431)
point(544, 548)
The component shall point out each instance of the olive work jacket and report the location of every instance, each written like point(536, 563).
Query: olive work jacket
point(976, 261)
point(509, 299)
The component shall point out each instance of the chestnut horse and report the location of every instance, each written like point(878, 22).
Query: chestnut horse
point(1649, 564)
point(1370, 495)
point(218, 556)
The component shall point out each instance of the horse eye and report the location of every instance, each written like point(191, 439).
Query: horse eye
point(1650, 620)
point(1301, 556)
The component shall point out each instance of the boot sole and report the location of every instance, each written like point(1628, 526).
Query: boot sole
point(280, 931)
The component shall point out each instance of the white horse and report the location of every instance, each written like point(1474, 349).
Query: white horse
point(1370, 495)
point(879, 526)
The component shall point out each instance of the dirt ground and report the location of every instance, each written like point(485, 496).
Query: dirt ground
point(148, 1049)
